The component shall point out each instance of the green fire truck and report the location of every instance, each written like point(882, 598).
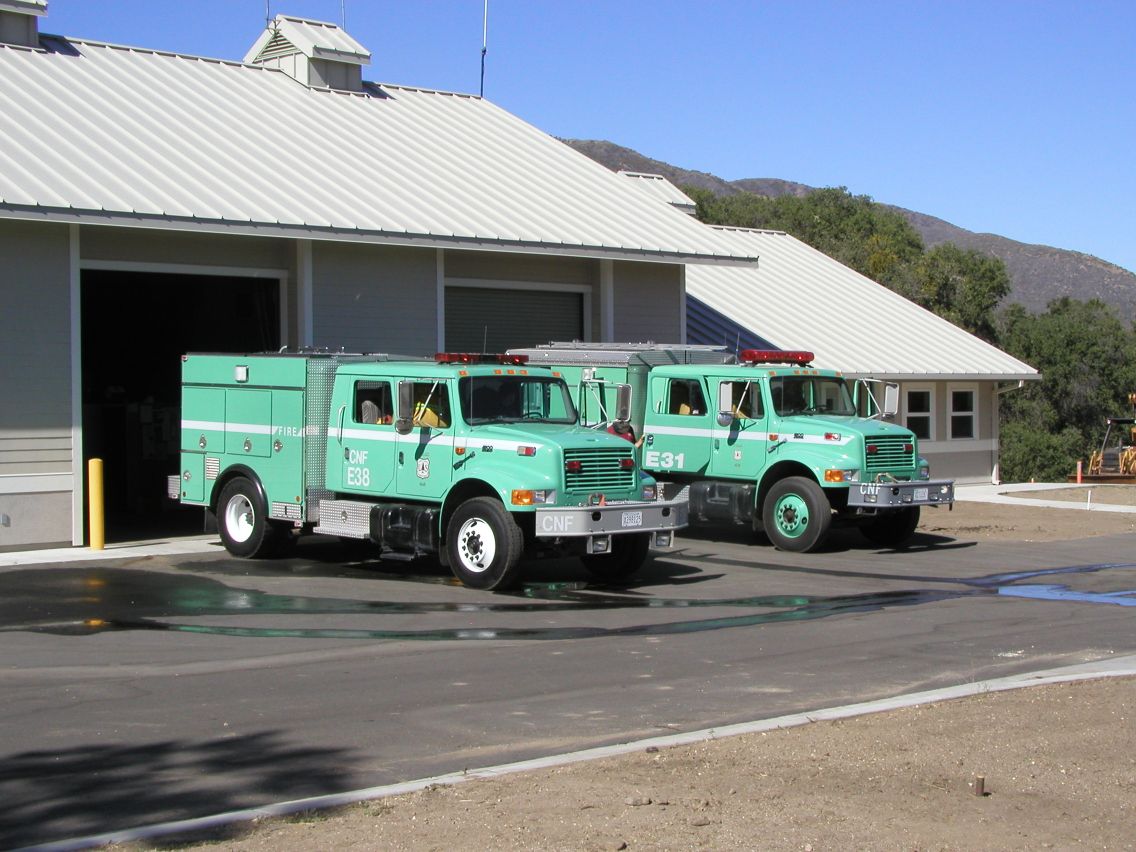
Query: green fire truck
point(478, 459)
point(760, 438)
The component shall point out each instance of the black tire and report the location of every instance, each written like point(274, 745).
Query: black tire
point(484, 544)
point(242, 520)
point(796, 515)
point(893, 528)
point(628, 553)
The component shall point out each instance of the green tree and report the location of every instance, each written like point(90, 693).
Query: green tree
point(1028, 453)
point(963, 286)
point(1087, 359)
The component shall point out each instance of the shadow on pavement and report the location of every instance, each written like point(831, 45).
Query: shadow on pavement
point(56, 795)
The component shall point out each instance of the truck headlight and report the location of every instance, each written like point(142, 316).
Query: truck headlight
point(839, 475)
point(650, 492)
point(924, 471)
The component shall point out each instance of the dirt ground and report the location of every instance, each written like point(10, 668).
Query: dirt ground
point(1058, 765)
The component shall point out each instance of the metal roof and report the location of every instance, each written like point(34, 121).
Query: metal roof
point(800, 298)
point(25, 7)
point(98, 133)
point(663, 190)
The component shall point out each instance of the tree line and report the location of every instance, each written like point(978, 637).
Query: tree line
point(1083, 349)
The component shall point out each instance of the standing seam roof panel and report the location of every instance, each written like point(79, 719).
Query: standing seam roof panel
point(450, 166)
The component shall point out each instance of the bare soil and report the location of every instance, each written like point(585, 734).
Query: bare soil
point(1058, 767)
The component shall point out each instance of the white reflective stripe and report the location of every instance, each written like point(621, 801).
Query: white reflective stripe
point(217, 426)
point(816, 439)
point(383, 436)
point(745, 435)
point(203, 425)
point(679, 431)
point(471, 442)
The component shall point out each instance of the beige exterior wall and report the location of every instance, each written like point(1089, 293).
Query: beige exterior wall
point(964, 459)
point(35, 417)
point(648, 301)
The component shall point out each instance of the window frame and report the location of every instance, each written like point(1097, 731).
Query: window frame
point(952, 389)
point(929, 414)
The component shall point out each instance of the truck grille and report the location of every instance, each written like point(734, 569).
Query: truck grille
point(599, 469)
point(892, 451)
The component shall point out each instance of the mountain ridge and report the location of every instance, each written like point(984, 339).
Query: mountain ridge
point(1038, 273)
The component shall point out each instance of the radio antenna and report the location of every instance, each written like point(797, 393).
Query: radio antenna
point(267, 12)
point(484, 45)
point(343, 15)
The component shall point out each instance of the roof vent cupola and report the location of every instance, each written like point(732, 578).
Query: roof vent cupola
point(19, 21)
point(317, 54)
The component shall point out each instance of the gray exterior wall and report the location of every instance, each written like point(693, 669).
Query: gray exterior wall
point(649, 302)
point(172, 247)
point(375, 298)
point(35, 417)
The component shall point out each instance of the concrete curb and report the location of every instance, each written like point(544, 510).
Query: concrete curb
point(1116, 667)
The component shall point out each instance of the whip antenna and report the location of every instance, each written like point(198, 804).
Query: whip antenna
point(484, 44)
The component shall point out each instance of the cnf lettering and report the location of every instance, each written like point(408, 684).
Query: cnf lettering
point(356, 475)
point(556, 524)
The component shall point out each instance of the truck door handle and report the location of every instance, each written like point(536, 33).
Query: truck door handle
point(342, 408)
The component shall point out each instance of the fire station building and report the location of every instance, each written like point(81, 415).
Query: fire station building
point(153, 204)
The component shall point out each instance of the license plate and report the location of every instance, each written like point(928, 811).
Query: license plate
point(632, 519)
point(921, 495)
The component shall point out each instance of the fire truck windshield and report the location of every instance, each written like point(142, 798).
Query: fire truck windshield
point(811, 395)
point(509, 399)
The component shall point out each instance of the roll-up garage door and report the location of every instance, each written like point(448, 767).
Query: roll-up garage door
point(493, 320)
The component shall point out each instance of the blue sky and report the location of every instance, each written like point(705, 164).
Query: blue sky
point(1016, 117)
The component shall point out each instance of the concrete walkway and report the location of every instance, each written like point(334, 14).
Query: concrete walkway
point(1014, 494)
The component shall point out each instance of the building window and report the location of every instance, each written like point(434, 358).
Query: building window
point(920, 413)
point(963, 411)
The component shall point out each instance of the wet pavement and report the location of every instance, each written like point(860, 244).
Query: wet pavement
point(166, 685)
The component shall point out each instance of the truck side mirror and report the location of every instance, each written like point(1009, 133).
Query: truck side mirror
point(725, 404)
point(623, 403)
point(405, 420)
point(891, 400)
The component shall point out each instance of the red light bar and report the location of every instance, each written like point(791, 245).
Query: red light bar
point(475, 358)
point(775, 356)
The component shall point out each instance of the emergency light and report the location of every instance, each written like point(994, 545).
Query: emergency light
point(476, 358)
point(775, 356)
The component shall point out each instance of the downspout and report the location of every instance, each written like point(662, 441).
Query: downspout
point(996, 472)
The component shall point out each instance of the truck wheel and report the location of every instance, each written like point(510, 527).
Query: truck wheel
point(893, 528)
point(796, 514)
point(628, 553)
point(242, 519)
point(484, 544)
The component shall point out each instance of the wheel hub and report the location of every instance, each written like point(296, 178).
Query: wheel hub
point(792, 515)
point(476, 545)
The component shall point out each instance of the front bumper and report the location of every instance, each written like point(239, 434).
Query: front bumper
point(895, 495)
point(599, 523)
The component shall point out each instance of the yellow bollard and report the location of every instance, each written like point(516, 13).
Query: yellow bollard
point(95, 503)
